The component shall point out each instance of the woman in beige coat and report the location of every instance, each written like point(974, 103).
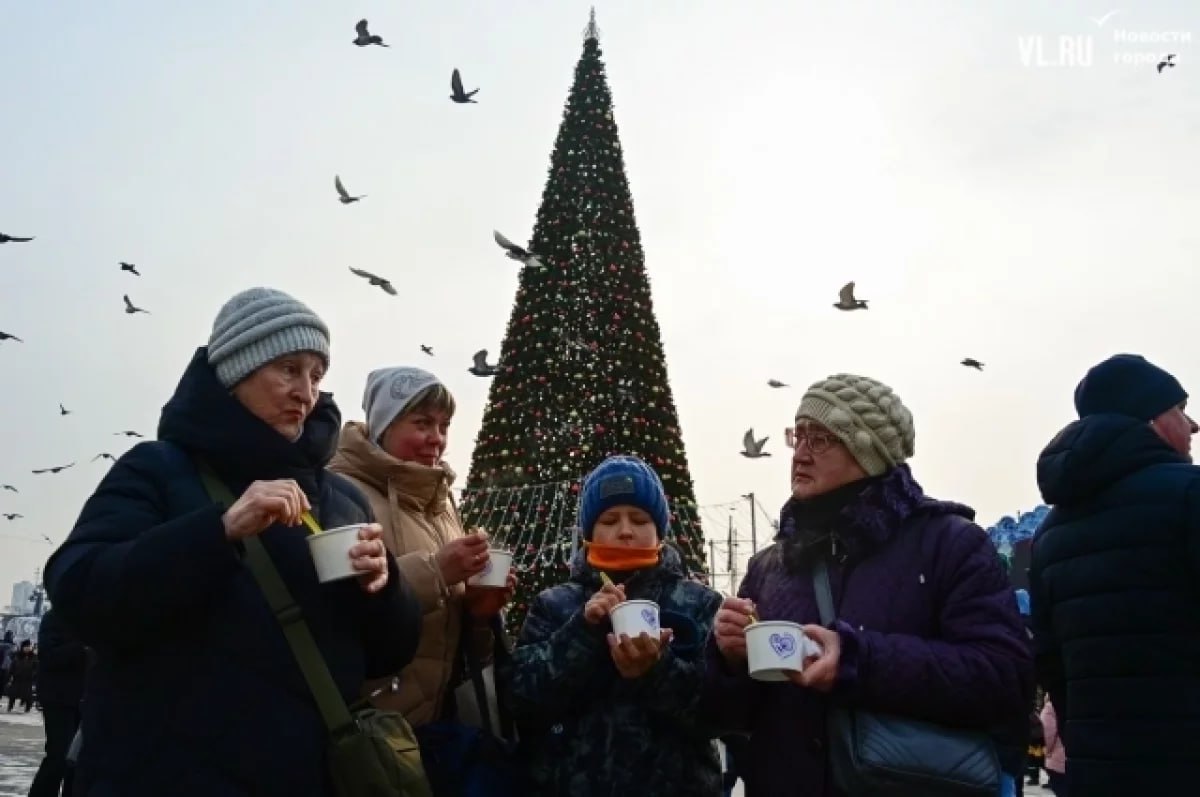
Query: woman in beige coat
point(395, 458)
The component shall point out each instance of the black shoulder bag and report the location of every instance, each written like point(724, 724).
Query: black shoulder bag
point(882, 755)
point(463, 760)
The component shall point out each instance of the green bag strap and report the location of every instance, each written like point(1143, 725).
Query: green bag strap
point(312, 664)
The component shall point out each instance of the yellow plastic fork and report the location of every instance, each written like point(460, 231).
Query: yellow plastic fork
point(311, 522)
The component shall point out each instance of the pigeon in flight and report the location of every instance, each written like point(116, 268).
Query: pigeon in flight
point(127, 433)
point(4, 239)
point(9, 487)
point(104, 455)
point(971, 362)
point(6, 336)
point(481, 367)
point(753, 449)
point(12, 515)
point(131, 309)
point(457, 87)
point(378, 282)
point(63, 410)
point(1168, 61)
point(56, 469)
point(130, 267)
point(344, 195)
point(427, 349)
point(364, 36)
point(515, 252)
point(846, 300)
point(775, 383)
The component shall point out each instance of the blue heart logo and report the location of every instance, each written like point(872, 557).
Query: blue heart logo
point(651, 617)
point(487, 568)
point(783, 644)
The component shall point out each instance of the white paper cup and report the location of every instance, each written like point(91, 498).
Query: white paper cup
point(775, 648)
point(495, 570)
point(634, 617)
point(330, 552)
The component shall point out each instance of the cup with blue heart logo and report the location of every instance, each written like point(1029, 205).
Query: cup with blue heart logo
point(776, 647)
point(634, 618)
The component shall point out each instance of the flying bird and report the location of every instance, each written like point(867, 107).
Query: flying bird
point(1168, 61)
point(427, 349)
point(364, 36)
point(971, 362)
point(131, 309)
point(481, 367)
point(378, 282)
point(12, 515)
point(6, 336)
point(515, 252)
point(457, 87)
point(104, 455)
point(344, 195)
point(753, 449)
point(846, 300)
point(4, 239)
point(9, 487)
point(775, 383)
point(63, 410)
point(56, 469)
point(130, 267)
point(127, 433)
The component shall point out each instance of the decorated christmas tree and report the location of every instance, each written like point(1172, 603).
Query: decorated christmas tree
point(582, 373)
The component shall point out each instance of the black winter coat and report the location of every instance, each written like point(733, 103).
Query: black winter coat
point(62, 663)
point(194, 690)
point(1115, 594)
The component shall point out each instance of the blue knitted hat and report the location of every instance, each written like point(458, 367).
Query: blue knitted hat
point(1128, 384)
point(622, 480)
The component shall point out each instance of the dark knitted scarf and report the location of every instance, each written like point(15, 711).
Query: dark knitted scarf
point(849, 522)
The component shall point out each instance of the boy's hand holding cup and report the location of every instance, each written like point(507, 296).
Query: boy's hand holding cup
point(601, 604)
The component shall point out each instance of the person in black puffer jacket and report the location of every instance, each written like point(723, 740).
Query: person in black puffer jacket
point(1116, 610)
point(195, 690)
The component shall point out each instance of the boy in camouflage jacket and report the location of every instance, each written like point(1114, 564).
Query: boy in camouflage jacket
point(605, 716)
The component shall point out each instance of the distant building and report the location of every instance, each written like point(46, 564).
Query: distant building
point(22, 597)
point(1013, 537)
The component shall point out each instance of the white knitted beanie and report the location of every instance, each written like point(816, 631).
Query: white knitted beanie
point(867, 417)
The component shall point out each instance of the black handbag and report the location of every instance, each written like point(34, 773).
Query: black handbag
point(464, 760)
point(882, 755)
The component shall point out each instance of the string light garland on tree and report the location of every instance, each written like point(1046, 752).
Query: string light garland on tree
point(582, 373)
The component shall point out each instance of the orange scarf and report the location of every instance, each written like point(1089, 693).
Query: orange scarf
point(620, 558)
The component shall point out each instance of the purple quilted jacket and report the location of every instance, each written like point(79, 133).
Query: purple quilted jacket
point(928, 624)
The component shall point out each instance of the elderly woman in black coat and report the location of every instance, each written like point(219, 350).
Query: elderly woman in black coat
point(195, 690)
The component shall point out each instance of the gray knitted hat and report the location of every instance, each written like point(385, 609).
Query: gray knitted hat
point(389, 392)
point(866, 416)
point(259, 325)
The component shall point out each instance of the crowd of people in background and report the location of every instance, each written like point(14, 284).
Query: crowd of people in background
point(196, 684)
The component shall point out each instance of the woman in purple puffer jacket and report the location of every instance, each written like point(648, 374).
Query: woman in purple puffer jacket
point(927, 626)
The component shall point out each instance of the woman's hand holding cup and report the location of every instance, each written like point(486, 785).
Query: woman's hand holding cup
point(729, 628)
point(464, 557)
point(369, 557)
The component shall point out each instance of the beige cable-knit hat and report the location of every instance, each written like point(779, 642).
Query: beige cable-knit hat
point(866, 416)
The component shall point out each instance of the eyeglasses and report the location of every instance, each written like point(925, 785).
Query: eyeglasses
point(818, 442)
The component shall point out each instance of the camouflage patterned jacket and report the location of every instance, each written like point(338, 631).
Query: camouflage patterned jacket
point(585, 730)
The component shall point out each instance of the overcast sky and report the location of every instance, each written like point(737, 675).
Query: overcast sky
point(993, 195)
